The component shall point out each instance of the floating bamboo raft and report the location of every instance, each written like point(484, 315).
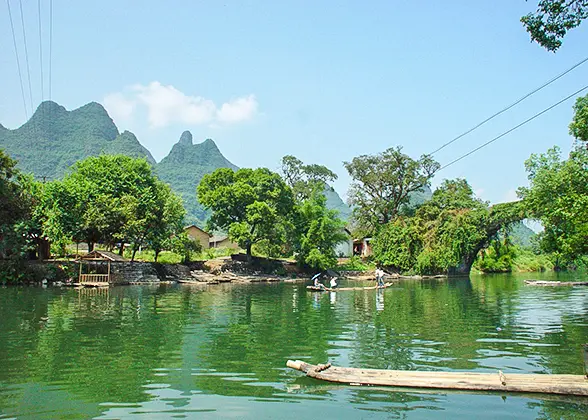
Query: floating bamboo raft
point(555, 283)
point(337, 289)
point(510, 382)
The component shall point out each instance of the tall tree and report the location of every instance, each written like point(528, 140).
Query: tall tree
point(446, 233)
point(553, 19)
point(250, 204)
point(579, 124)
point(15, 207)
point(382, 183)
point(111, 199)
point(558, 197)
point(305, 179)
point(317, 231)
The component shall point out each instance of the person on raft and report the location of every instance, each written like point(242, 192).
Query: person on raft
point(316, 280)
point(333, 283)
point(380, 277)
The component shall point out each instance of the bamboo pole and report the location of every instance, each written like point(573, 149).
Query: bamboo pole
point(473, 381)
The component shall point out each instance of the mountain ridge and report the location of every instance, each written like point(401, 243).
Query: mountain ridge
point(53, 139)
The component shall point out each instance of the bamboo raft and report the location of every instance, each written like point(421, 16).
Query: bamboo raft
point(337, 289)
point(555, 283)
point(509, 382)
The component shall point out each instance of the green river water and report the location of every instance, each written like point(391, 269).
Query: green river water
point(220, 351)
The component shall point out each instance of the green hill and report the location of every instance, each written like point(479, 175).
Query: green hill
point(185, 166)
point(53, 139)
point(521, 235)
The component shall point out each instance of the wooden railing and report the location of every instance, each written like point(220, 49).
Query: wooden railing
point(94, 278)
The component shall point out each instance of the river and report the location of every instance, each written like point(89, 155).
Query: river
point(180, 351)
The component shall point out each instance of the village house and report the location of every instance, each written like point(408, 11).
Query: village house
point(198, 235)
point(222, 241)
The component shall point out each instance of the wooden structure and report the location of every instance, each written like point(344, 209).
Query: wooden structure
point(337, 289)
point(555, 283)
point(96, 259)
point(509, 382)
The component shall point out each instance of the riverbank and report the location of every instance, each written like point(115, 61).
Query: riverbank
point(215, 271)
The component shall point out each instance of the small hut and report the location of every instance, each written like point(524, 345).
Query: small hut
point(95, 268)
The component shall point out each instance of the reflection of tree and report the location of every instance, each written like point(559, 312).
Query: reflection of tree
point(234, 340)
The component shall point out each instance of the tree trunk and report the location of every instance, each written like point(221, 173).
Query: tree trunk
point(249, 255)
point(43, 249)
point(134, 252)
point(121, 249)
point(90, 246)
point(157, 251)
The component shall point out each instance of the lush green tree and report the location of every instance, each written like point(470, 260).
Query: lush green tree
point(305, 179)
point(579, 124)
point(250, 204)
point(383, 183)
point(446, 233)
point(553, 19)
point(185, 246)
point(165, 219)
point(317, 231)
point(111, 199)
point(15, 207)
point(558, 197)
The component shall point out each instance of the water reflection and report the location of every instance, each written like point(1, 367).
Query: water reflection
point(176, 350)
point(379, 299)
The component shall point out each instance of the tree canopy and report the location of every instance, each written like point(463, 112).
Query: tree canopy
point(383, 183)
point(111, 199)
point(15, 206)
point(558, 197)
point(249, 204)
point(305, 179)
point(553, 19)
point(579, 124)
point(446, 233)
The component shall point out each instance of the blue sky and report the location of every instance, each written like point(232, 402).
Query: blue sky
point(324, 81)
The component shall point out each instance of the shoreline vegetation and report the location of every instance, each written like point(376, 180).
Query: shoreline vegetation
point(119, 203)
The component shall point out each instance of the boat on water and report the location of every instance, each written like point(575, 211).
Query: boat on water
point(474, 381)
point(313, 288)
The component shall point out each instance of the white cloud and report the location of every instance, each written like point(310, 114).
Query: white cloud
point(167, 105)
point(237, 110)
point(119, 107)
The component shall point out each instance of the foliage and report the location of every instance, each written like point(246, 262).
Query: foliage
point(355, 263)
point(445, 234)
point(317, 231)
point(579, 124)
point(305, 180)
point(558, 196)
point(184, 167)
point(250, 204)
point(185, 246)
point(54, 139)
point(110, 200)
point(15, 208)
point(553, 19)
point(383, 183)
point(502, 257)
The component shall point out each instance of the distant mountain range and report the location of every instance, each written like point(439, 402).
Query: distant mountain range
point(54, 139)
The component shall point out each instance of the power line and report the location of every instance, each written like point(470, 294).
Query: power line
point(24, 101)
point(41, 50)
point(26, 55)
point(514, 128)
point(518, 101)
point(50, 41)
